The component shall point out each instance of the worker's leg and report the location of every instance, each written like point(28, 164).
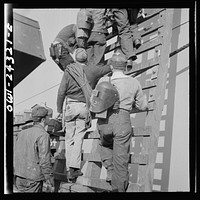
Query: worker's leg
point(125, 36)
point(121, 146)
point(106, 146)
point(69, 141)
point(28, 186)
point(75, 159)
point(79, 128)
point(98, 42)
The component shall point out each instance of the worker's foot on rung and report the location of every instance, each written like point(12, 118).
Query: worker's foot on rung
point(137, 43)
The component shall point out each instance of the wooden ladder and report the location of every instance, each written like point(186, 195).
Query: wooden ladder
point(151, 70)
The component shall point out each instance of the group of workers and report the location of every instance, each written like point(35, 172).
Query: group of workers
point(84, 94)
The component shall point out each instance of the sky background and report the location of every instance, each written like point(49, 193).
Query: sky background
point(48, 74)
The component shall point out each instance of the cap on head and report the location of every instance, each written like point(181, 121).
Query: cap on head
point(39, 112)
point(81, 55)
point(118, 61)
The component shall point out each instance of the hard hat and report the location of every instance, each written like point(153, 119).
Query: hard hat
point(80, 55)
point(118, 61)
point(39, 112)
point(103, 97)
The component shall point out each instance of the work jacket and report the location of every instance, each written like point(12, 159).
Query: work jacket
point(32, 154)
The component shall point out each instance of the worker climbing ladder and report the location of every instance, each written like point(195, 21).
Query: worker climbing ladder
point(151, 70)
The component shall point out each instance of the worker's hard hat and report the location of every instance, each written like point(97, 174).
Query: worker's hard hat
point(80, 55)
point(118, 61)
point(103, 97)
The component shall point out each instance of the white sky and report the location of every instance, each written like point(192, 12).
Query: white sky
point(47, 74)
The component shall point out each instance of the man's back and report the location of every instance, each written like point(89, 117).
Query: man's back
point(129, 89)
point(27, 162)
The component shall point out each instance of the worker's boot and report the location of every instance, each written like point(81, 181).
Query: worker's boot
point(137, 43)
point(130, 63)
point(73, 173)
point(109, 175)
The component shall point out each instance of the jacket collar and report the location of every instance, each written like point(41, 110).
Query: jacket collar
point(118, 74)
point(39, 126)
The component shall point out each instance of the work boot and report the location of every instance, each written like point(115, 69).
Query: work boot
point(129, 65)
point(137, 43)
point(73, 173)
point(109, 175)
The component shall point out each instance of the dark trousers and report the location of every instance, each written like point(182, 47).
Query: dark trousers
point(132, 15)
point(96, 46)
point(125, 35)
point(24, 185)
point(115, 137)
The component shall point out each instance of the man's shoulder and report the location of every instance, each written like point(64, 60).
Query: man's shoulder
point(38, 130)
point(104, 78)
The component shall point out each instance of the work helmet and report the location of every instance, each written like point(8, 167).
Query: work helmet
point(103, 97)
point(118, 61)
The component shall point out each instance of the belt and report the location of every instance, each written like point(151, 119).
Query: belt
point(119, 109)
point(69, 100)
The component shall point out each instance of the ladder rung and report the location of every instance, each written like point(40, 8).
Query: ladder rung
point(134, 158)
point(141, 67)
point(91, 182)
point(144, 47)
point(138, 131)
point(142, 131)
point(73, 187)
point(95, 157)
point(152, 26)
point(149, 84)
point(144, 30)
point(150, 13)
point(139, 159)
point(149, 45)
